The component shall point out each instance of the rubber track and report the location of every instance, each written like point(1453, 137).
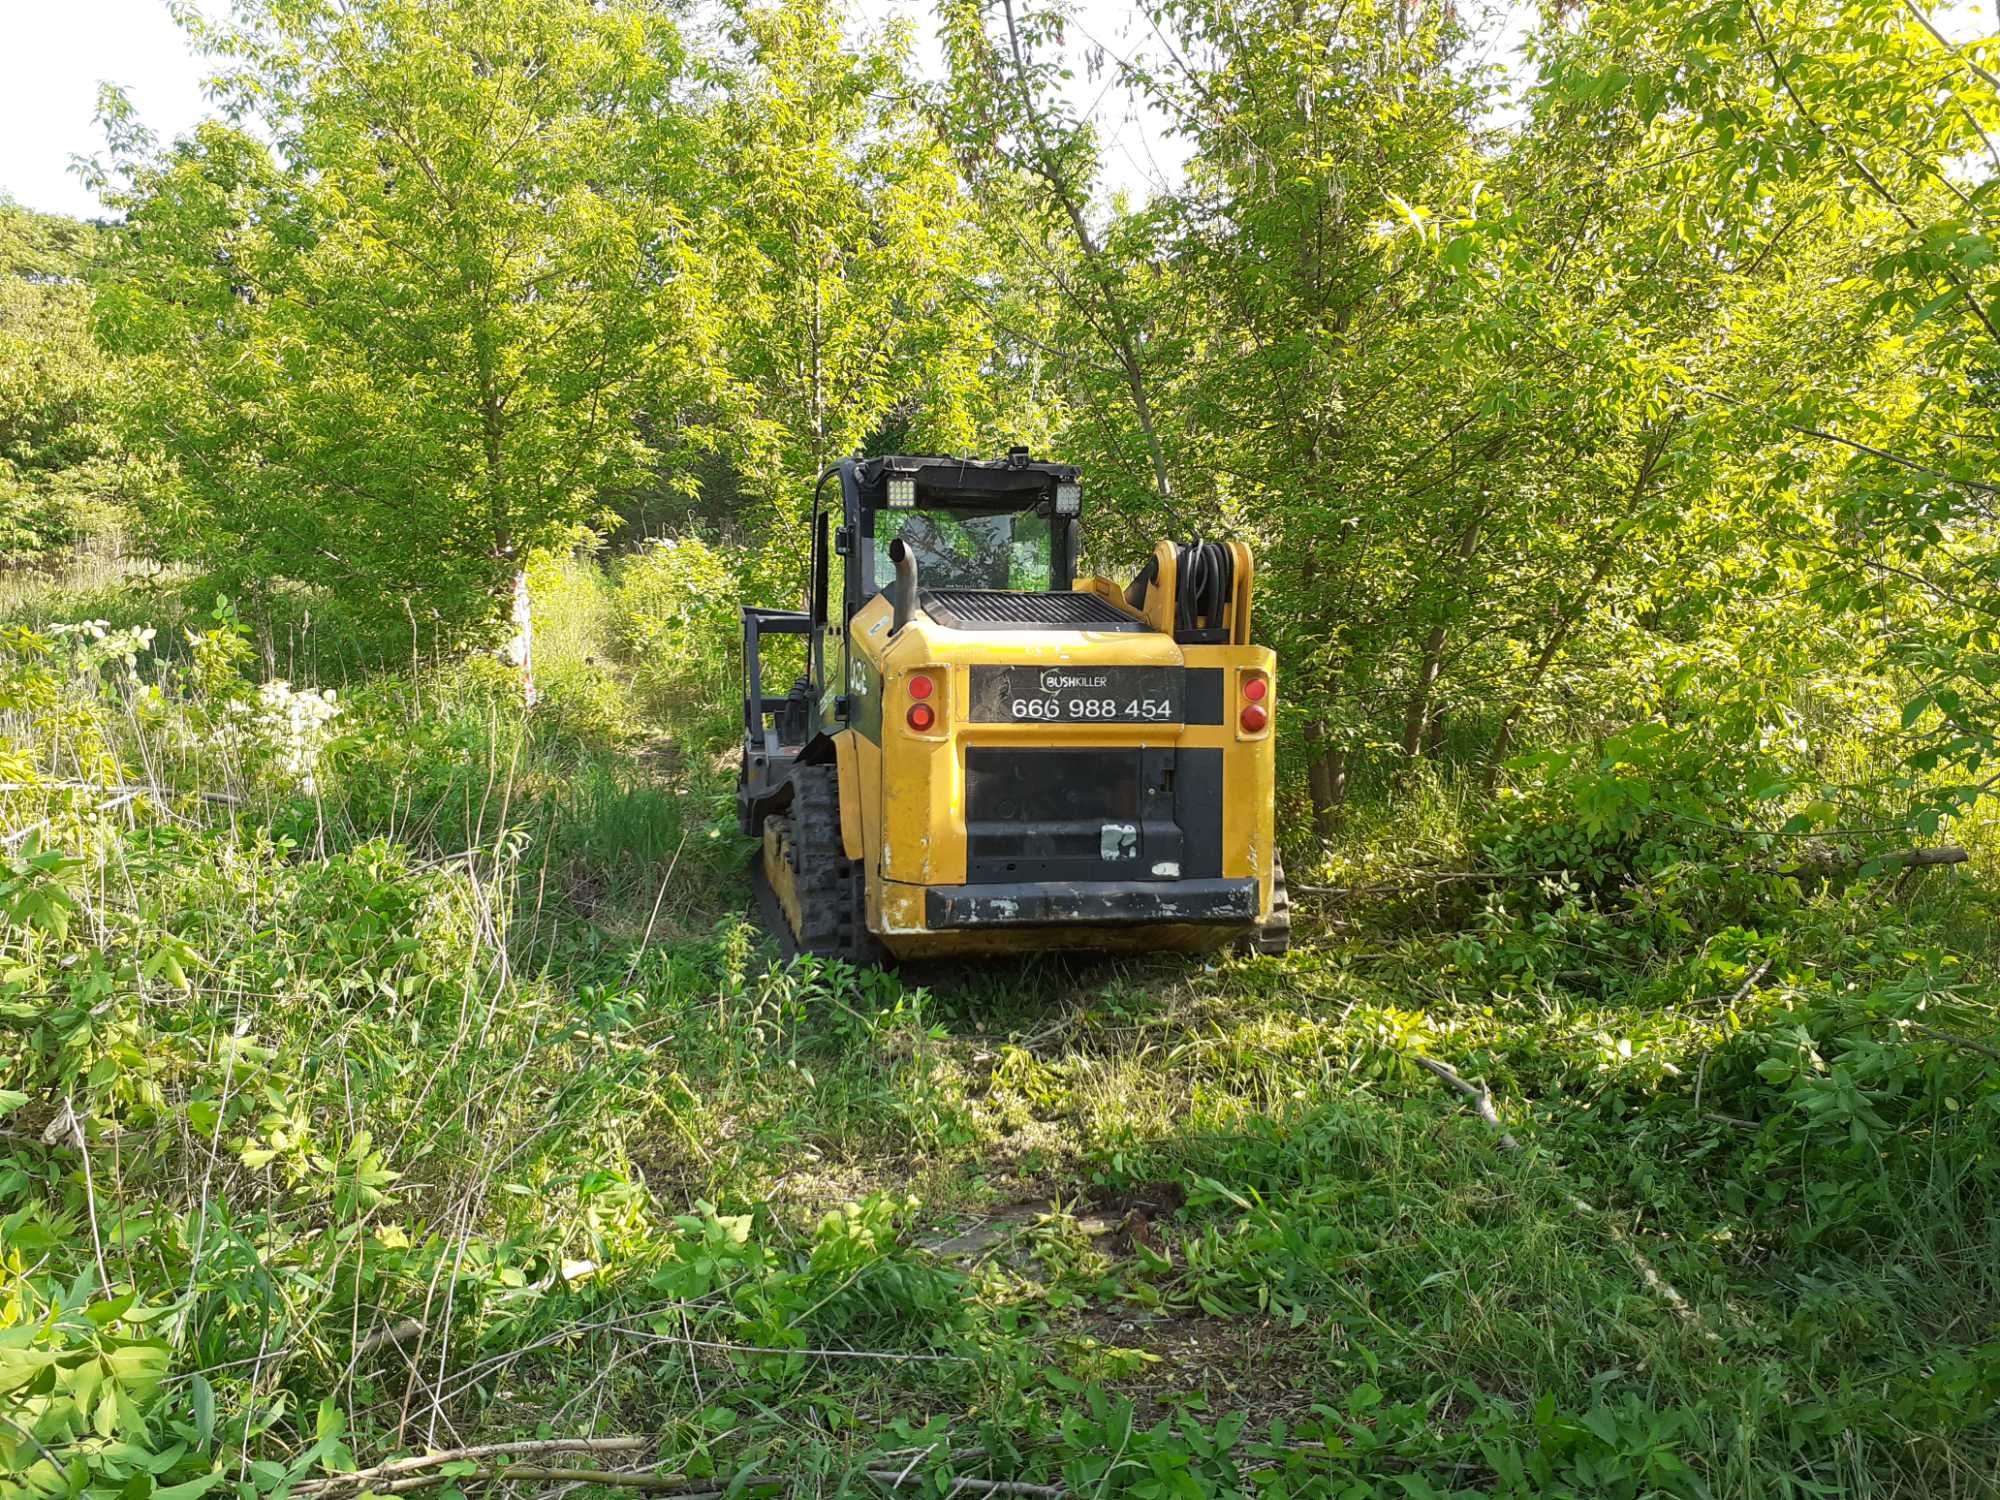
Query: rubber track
point(832, 897)
point(1275, 936)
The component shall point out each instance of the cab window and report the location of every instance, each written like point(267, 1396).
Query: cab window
point(961, 550)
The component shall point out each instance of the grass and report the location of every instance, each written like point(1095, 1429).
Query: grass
point(443, 1095)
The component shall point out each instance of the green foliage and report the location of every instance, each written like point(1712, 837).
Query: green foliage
point(846, 257)
point(458, 1059)
point(61, 473)
point(385, 1065)
point(676, 621)
point(367, 351)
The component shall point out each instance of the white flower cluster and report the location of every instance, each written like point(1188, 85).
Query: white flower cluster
point(289, 726)
point(94, 644)
point(297, 726)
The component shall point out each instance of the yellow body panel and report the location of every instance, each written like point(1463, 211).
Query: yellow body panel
point(908, 788)
point(847, 755)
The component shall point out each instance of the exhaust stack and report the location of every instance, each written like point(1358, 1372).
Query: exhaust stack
point(905, 559)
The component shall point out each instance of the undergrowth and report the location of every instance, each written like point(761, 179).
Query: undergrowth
point(388, 1069)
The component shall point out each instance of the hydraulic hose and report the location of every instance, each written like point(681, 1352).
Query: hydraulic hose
point(1207, 579)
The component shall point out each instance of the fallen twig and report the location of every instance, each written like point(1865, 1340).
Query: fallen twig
point(967, 1486)
point(126, 790)
point(1830, 867)
point(362, 1478)
point(895, 1356)
point(395, 1333)
point(1952, 1039)
point(1479, 1094)
point(33, 828)
point(1739, 1123)
point(1755, 978)
point(1415, 878)
point(1662, 1288)
point(678, 1485)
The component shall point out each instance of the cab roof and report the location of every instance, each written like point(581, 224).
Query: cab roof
point(1013, 482)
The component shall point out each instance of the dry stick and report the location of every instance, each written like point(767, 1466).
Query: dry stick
point(1952, 1038)
point(395, 1333)
point(668, 1484)
point(897, 1356)
point(1416, 878)
point(1902, 859)
point(361, 1477)
point(103, 807)
point(1662, 1288)
point(1479, 1094)
point(1743, 990)
point(971, 1486)
point(101, 786)
point(89, 1190)
point(472, 1374)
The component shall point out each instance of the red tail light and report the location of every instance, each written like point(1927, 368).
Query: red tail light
point(921, 686)
point(921, 715)
point(1256, 710)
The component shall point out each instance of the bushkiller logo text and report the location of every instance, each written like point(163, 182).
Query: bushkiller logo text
point(1062, 682)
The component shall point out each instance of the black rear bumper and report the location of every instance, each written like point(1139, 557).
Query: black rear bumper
point(1109, 903)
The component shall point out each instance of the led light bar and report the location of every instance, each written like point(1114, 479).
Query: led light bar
point(1069, 498)
point(902, 493)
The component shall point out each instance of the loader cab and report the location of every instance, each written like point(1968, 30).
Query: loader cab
point(976, 526)
point(983, 526)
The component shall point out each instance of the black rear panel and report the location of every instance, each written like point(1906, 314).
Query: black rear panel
point(1087, 814)
point(1003, 609)
point(1198, 809)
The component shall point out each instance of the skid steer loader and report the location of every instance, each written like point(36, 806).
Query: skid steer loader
point(987, 754)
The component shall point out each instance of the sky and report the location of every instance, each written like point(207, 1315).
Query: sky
point(55, 53)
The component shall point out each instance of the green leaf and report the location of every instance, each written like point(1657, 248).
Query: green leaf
point(204, 1409)
point(1604, 1423)
point(192, 1488)
point(1935, 306)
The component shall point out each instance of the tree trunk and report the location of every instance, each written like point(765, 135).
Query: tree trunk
point(1326, 779)
point(1434, 737)
point(519, 651)
point(1571, 614)
point(1417, 716)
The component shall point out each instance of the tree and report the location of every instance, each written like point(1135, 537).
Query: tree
point(1035, 163)
point(1873, 408)
point(406, 333)
point(847, 257)
point(59, 462)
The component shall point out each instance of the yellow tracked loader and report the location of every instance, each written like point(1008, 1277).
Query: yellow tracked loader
point(987, 754)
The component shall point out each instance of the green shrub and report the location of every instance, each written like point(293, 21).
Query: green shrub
point(677, 625)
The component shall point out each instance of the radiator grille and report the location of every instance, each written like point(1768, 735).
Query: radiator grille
point(1001, 609)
